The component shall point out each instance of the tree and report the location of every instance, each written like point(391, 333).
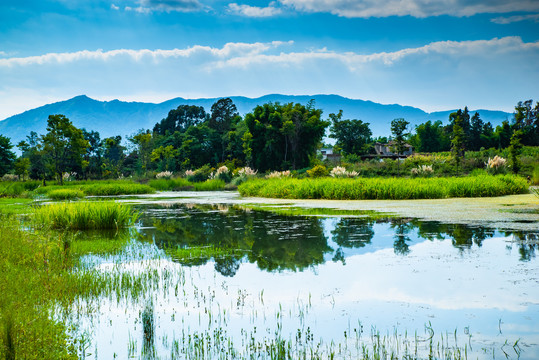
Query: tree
point(272, 141)
point(503, 134)
point(430, 137)
point(7, 157)
point(224, 116)
point(398, 130)
point(94, 153)
point(32, 149)
point(143, 141)
point(353, 136)
point(113, 156)
point(64, 145)
point(458, 142)
point(514, 150)
point(526, 119)
point(180, 119)
point(164, 155)
point(476, 128)
point(22, 166)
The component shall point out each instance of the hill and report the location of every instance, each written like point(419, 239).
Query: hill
point(125, 118)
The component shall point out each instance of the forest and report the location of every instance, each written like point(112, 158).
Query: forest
point(273, 137)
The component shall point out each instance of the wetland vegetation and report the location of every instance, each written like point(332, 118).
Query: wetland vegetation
point(218, 281)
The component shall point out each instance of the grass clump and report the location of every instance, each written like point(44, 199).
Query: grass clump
point(210, 185)
point(119, 188)
point(171, 184)
point(17, 188)
point(385, 188)
point(65, 194)
point(97, 215)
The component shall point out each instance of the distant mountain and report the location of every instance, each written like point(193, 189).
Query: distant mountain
point(125, 118)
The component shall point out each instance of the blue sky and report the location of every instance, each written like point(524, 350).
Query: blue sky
point(432, 54)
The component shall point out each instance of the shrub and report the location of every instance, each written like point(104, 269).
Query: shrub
point(496, 165)
point(200, 174)
point(222, 173)
point(318, 171)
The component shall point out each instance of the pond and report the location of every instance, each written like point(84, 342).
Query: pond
point(227, 281)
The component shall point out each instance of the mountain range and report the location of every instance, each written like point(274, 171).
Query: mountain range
point(117, 117)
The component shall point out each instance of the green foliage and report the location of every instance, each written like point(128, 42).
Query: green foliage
point(535, 175)
point(16, 188)
point(95, 215)
point(515, 149)
point(318, 171)
point(117, 188)
point(353, 136)
point(180, 119)
point(171, 184)
point(64, 145)
point(380, 188)
point(430, 137)
point(7, 157)
point(65, 194)
point(201, 174)
point(210, 185)
point(284, 136)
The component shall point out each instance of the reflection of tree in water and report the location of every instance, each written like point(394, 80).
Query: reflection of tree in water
point(528, 244)
point(462, 236)
point(148, 331)
point(274, 242)
point(402, 228)
point(353, 233)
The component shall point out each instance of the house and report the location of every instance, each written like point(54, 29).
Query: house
point(388, 149)
point(327, 154)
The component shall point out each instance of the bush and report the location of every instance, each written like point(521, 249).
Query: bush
point(318, 171)
point(200, 174)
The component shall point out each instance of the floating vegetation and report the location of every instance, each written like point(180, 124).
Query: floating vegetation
point(95, 215)
point(385, 188)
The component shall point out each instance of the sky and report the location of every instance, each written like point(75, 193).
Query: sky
point(431, 54)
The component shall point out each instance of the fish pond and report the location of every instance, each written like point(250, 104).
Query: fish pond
point(220, 281)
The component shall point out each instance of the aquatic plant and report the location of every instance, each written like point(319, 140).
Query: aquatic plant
point(117, 188)
point(86, 215)
point(385, 188)
point(65, 194)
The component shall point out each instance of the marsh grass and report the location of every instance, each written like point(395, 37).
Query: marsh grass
point(385, 188)
point(119, 188)
point(210, 185)
point(171, 184)
point(65, 194)
point(96, 215)
point(17, 188)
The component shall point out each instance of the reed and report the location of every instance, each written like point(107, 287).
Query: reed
point(171, 184)
point(210, 185)
point(385, 188)
point(119, 188)
point(65, 194)
point(96, 215)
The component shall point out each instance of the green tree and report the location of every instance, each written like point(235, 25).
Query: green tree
point(503, 134)
point(165, 156)
point(143, 140)
point(353, 136)
point(398, 130)
point(476, 129)
point(22, 167)
point(515, 149)
point(458, 142)
point(272, 141)
point(94, 153)
point(224, 116)
point(32, 149)
point(180, 119)
point(526, 119)
point(7, 157)
point(64, 145)
point(430, 137)
point(113, 156)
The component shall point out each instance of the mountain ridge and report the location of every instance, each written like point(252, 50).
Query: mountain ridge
point(116, 117)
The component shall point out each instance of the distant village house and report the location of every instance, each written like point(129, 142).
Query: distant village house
point(388, 149)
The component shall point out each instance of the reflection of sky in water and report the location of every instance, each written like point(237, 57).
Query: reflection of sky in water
point(483, 288)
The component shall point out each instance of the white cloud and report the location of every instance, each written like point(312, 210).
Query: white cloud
point(149, 6)
point(503, 20)
point(415, 8)
point(227, 51)
point(114, 7)
point(254, 11)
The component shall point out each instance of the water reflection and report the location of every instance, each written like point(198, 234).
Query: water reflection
point(196, 234)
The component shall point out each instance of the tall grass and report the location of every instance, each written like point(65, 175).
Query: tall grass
point(17, 188)
point(210, 185)
point(171, 184)
point(385, 188)
point(86, 215)
point(119, 188)
point(65, 194)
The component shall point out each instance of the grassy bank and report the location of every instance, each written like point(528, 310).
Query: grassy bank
point(385, 188)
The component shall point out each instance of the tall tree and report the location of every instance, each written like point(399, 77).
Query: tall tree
point(64, 145)
point(353, 136)
point(430, 137)
point(180, 119)
point(526, 119)
point(476, 128)
point(224, 116)
point(275, 149)
point(398, 130)
point(94, 153)
point(7, 157)
point(113, 156)
point(458, 142)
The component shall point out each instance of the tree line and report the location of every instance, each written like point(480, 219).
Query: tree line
point(273, 136)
